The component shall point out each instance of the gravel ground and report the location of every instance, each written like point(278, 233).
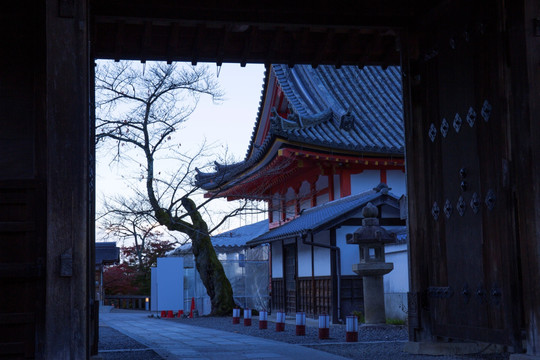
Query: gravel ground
point(113, 345)
point(375, 342)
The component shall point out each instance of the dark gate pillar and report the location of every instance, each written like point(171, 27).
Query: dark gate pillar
point(66, 97)
point(472, 84)
point(524, 58)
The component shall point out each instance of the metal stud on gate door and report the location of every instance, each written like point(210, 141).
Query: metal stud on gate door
point(432, 132)
point(444, 127)
point(448, 208)
point(490, 199)
point(300, 323)
point(457, 122)
point(435, 211)
point(486, 110)
point(461, 207)
point(475, 203)
point(471, 117)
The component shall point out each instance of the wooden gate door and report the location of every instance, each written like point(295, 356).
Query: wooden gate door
point(463, 245)
point(289, 258)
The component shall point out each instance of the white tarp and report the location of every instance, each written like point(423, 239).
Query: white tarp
point(168, 284)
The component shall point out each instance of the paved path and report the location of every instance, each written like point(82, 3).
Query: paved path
point(173, 340)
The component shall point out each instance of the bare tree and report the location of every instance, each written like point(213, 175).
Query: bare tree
point(138, 115)
point(130, 218)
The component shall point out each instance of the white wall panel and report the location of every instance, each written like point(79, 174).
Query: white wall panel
point(349, 253)
point(322, 255)
point(396, 181)
point(277, 260)
point(366, 180)
point(304, 259)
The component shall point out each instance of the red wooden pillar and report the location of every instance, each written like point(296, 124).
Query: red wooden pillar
point(313, 192)
point(344, 183)
point(383, 176)
point(331, 186)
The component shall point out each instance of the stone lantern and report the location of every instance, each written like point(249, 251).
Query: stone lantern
point(371, 239)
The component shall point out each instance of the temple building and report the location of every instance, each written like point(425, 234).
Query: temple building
point(326, 141)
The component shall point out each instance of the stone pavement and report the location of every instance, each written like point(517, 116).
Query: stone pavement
point(174, 340)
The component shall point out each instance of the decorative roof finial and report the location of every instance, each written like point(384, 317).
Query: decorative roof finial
point(382, 188)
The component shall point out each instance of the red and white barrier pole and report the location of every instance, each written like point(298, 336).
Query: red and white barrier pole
point(163, 314)
point(236, 316)
point(300, 323)
point(263, 320)
point(352, 329)
point(180, 313)
point(247, 317)
point(280, 321)
point(324, 326)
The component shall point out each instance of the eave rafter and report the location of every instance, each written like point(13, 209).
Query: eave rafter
point(289, 167)
point(258, 32)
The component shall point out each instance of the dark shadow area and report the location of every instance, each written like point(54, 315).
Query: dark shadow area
point(113, 345)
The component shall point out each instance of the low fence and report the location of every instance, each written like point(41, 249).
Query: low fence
point(135, 302)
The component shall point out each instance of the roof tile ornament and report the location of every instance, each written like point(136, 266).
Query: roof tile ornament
point(346, 121)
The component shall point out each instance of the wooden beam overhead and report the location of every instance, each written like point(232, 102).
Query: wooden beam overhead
point(227, 32)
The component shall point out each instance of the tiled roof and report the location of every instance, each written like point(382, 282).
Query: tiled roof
point(107, 253)
point(363, 107)
point(325, 216)
point(340, 109)
point(231, 239)
point(240, 236)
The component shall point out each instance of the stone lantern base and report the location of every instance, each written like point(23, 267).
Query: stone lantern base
point(374, 310)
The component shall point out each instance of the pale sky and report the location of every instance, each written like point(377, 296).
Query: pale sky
point(228, 125)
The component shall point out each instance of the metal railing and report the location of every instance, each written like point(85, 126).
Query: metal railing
point(134, 302)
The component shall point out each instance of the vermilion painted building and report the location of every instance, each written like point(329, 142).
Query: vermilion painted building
point(322, 135)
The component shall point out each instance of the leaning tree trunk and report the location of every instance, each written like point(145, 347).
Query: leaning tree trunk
point(212, 274)
point(209, 267)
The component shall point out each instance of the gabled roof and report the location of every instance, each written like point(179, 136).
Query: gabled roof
point(230, 240)
point(326, 216)
point(348, 109)
point(107, 253)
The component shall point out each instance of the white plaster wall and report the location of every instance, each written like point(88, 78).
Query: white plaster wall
point(305, 204)
point(276, 207)
point(396, 181)
point(322, 199)
point(277, 260)
point(305, 189)
point(304, 259)
point(366, 180)
point(290, 194)
point(337, 187)
point(349, 253)
point(322, 182)
point(290, 197)
point(322, 255)
point(397, 281)
point(389, 212)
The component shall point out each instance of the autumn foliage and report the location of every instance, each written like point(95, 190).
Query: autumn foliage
point(130, 278)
